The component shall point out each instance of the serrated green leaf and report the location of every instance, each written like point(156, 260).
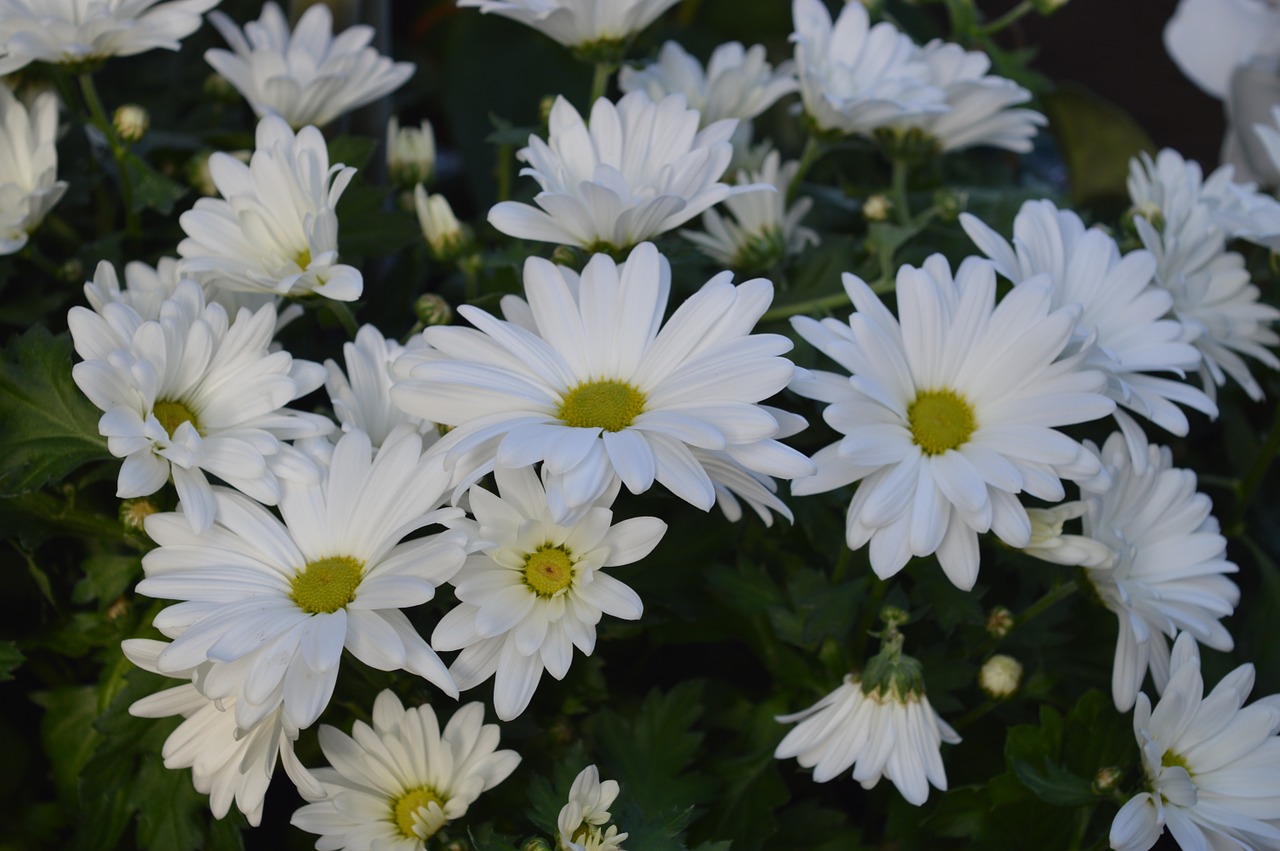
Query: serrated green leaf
point(67, 733)
point(151, 189)
point(1053, 784)
point(353, 151)
point(10, 658)
point(167, 805)
point(47, 427)
point(106, 578)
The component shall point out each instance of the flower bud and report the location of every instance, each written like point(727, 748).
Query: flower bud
point(432, 309)
point(999, 622)
point(1107, 778)
point(131, 121)
point(950, 203)
point(134, 511)
point(876, 208)
point(447, 238)
point(1000, 676)
point(536, 843)
point(411, 153)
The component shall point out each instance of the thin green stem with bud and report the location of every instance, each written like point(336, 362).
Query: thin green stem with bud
point(600, 79)
point(1009, 18)
point(98, 115)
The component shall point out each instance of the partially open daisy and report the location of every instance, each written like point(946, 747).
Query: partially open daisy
point(582, 820)
point(537, 588)
point(604, 389)
point(395, 784)
point(29, 185)
point(272, 604)
point(951, 410)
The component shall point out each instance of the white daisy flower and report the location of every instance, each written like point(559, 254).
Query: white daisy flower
point(1211, 764)
point(979, 105)
point(855, 77)
point(227, 763)
point(395, 784)
point(146, 288)
point(604, 390)
point(1170, 567)
point(636, 170)
point(762, 230)
point(28, 165)
point(307, 76)
point(361, 397)
point(83, 32)
point(272, 604)
point(1117, 306)
point(884, 732)
point(411, 152)
point(952, 410)
point(536, 589)
point(445, 235)
point(587, 25)
point(274, 230)
point(1209, 39)
point(581, 821)
point(737, 83)
point(189, 393)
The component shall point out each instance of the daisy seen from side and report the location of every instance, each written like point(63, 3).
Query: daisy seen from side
point(589, 27)
point(29, 185)
point(581, 823)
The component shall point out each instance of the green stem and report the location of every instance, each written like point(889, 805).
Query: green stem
point(1055, 595)
point(821, 303)
point(898, 191)
point(974, 714)
point(342, 312)
point(506, 156)
point(1008, 19)
point(1253, 479)
point(98, 115)
point(813, 151)
point(600, 80)
point(870, 611)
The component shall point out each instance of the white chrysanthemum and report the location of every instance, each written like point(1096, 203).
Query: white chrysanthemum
point(274, 230)
point(881, 734)
point(951, 410)
point(272, 604)
point(189, 393)
point(446, 237)
point(979, 105)
point(636, 170)
point(536, 589)
point(1209, 39)
point(855, 77)
point(362, 396)
point(762, 230)
point(395, 784)
point(146, 288)
point(604, 390)
point(1117, 306)
point(307, 76)
point(737, 83)
point(1211, 764)
point(580, 24)
point(1170, 569)
point(411, 152)
point(74, 32)
point(227, 764)
point(28, 166)
point(581, 821)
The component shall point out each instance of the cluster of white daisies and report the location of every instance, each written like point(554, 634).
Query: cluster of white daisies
point(316, 533)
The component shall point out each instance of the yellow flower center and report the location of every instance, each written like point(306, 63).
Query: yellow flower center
point(303, 258)
point(940, 420)
point(172, 414)
point(327, 584)
point(607, 404)
point(409, 803)
point(1171, 759)
point(549, 571)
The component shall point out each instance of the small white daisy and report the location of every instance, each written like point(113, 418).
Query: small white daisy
point(395, 784)
point(763, 230)
point(274, 230)
point(1211, 764)
point(307, 76)
point(76, 32)
point(601, 26)
point(636, 169)
point(1117, 306)
point(227, 763)
point(604, 390)
point(536, 589)
point(272, 604)
point(361, 397)
point(581, 820)
point(411, 152)
point(854, 77)
point(29, 185)
point(189, 393)
point(1170, 568)
point(952, 409)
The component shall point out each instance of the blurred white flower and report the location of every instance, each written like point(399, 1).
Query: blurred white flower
point(1211, 764)
point(274, 230)
point(855, 77)
point(146, 287)
point(603, 25)
point(636, 170)
point(762, 230)
point(395, 784)
point(446, 236)
point(74, 32)
point(1048, 543)
point(188, 393)
point(411, 153)
point(979, 105)
point(1209, 39)
point(307, 76)
point(581, 820)
point(28, 166)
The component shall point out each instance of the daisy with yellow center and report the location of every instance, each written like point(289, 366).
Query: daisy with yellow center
point(537, 589)
point(951, 410)
point(395, 784)
point(586, 378)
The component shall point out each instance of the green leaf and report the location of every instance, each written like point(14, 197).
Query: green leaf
point(47, 427)
point(67, 733)
point(10, 658)
point(1053, 784)
point(353, 151)
point(168, 807)
point(151, 189)
point(106, 577)
point(1098, 139)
